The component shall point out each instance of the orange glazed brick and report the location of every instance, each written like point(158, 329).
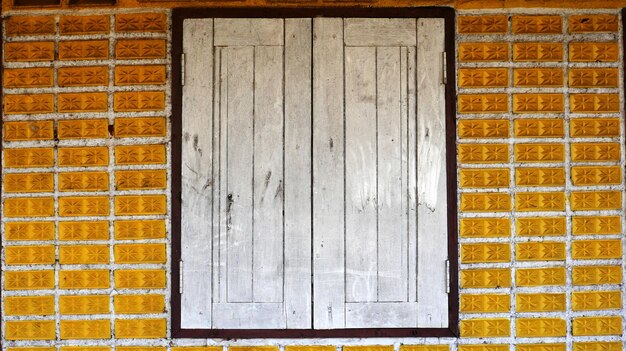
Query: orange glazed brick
point(540, 176)
point(537, 52)
point(485, 328)
point(609, 325)
point(140, 328)
point(20, 255)
point(140, 253)
point(596, 275)
point(483, 128)
point(30, 330)
point(540, 201)
point(138, 101)
point(140, 22)
point(598, 346)
point(540, 251)
point(83, 181)
point(487, 52)
point(484, 178)
point(538, 77)
point(140, 75)
point(83, 156)
point(29, 207)
point(486, 278)
point(483, 153)
point(539, 128)
point(540, 226)
point(539, 152)
point(139, 48)
point(483, 77)
point(540, 276)
point(594, 127)
point(483, 103)
point(593, 52)
point(28, 182)
point(28, 130)
point(593, 77)
point(84, 24)
point(596, 249)
point(485, 202)
point(592, 23)
point(155, 348)
point(594, 103)
point(30, 157)
point(538, 103)
point(542, 302)
point(84, 279)
point(140, 127)
point(596, 300)
point(83, 230)
point(596, 200)
point(84, 254)
point(140, 279)
point(140, 205)
point(29, 231)
point(85, 329)
point(84, 50)
point(540, 327)
point(29, 51)
point(28, 104)
point(84, 304)
point(83, 102)
point(485, 227)
point(603, 225)
point(140, 154)
point(139, 229)
point(83, 206)
point(139, 304)
point(537, 25)
point(28, 77)
point(497, 24)
point(482, 303)
point(83, 76)
point(595, 151)
point(146, 179)
point(83, 128)
point(28, 280)
point(29, 25)
point(485, 253)
point(29, 305)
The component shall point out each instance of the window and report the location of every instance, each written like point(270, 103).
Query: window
point(316, 184)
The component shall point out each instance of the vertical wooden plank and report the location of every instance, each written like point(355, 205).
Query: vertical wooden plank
point(392, 278)
point(361, 191)
point(298, 260)
point(411, 173)
point(431, 183)
point(197, 177)
point(268, 174)
point(328, 162)
point(239, 197)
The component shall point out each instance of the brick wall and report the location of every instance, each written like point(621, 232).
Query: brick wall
point(85, 184)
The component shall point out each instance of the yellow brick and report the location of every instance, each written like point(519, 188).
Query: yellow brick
point(487, 252)
point(540, 176)
point(487, 128)
point(84, 254)
point(596, 200)
point(29, 305)
point(592, 23)
point(596, 300)
point(28, 231)
point(83, 76)
point(138, 101)
point(20, 255)
point(95, 24)
point(28, 182)
point(143, 179)
point(29, 25)
point(84, 279)
point(140, 253)
point(422, 348)
point(140, 127)
point(539, 152)
point(540, 347)
point(598, 346)
point(483, 24)
point(540, 302)
point(30, 330)
point(593, 77)
point(30, 51)
point(87, 230)
point(538, 103)
point(30, 157)
point(84, 50)
point(140, 204)
point(594, 127)
point(483, 153)
point(537, 25)
point(140, 49)
point(83, 181)
point(140, 279)
point(140, 154)
point(484, 303)
point(29, 207)
point(596, 175)
point(596, 249)
point(541, 52)
point(540, 226)
point(139, 229)
point(582, 152)
point(84, 304)
point(83, 156)
point(140, 75)
point(140, 328)
point(29, 130)
point(85, 329)
point(540, 251)
point(31, 349)
point(485, 328)
point(85, 348)
point(219, 348)
point(162, 348)
point(483, 77)
point(593, 52)
point(540, 276)
point(486, 278)
point(540, 201)
point(538, 77)
point(483, 103)
point(539, 128)
point(38, 77)
point(485, 227)
point(484, 347)
point(72, 206)
point(486, 52)
point(584, 225)
point(140, 22)
point(139, 304)
point(484, 178)
point(83, 129)
point(485, 202)
point(82, 102)
point(346, 348)
point(596, 275)
point(28, 104)
point(596, 326)
point(29, 280)
point(540, 327)
point(594, 103)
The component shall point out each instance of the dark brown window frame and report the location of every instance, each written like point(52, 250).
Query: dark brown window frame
point(448, 14)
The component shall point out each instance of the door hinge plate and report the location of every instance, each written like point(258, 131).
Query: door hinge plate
point(447, 276)
point(182, 69)
point(180, 277)
point(444, 72)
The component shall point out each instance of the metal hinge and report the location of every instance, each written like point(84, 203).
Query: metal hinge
point(180, 278)
point(182, 69)
point(447, 276)
point(444, 75)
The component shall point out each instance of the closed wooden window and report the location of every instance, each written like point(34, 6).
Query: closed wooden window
point(313, 174)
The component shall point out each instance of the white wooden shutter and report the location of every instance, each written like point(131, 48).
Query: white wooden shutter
point(246, 235)
point(380, 234)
